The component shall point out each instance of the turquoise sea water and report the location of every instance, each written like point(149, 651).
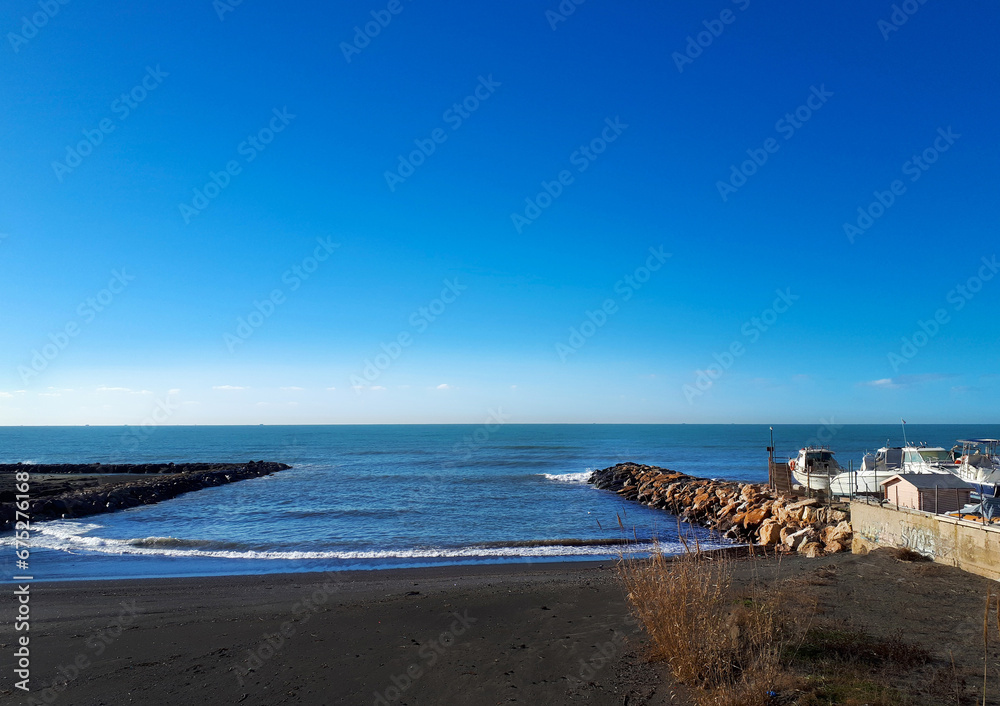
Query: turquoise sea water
point(367, 497)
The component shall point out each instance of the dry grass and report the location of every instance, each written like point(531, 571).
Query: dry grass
point(906, 554)
point(727, 650)
point(760, 646)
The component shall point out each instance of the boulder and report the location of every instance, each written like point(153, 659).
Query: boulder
point(811, 549)
point(842, 533)
point(808, 502)
point(754, 517)
point(769, 532)
point(795, 540)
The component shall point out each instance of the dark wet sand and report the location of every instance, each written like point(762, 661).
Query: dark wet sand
point(534, 633)
point(519, 635)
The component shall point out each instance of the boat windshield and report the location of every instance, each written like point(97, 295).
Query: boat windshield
point(935, 456)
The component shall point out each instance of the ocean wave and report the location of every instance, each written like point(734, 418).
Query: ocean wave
point(176, 542)
point(76, 539)
point(557, 543)
point(569, 477)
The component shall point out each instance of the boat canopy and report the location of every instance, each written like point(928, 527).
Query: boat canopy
point(935, 455)
point(979, 441)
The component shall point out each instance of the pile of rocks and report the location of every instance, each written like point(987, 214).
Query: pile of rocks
point(744, 512)
point(121, 495)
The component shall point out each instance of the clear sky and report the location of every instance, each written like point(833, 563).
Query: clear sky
point(225, 213)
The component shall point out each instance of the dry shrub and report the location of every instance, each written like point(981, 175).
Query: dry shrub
point(907, 554)
point(727, 650)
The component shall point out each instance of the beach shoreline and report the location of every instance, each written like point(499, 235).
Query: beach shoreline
point(552, 632)
point(341, 637)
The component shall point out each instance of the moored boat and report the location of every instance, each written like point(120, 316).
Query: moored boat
point(887, 462)
point(815, 467)
point(979, 465)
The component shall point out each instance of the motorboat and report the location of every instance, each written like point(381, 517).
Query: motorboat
point(815, 467)
point(979, 465)
point(887, 462)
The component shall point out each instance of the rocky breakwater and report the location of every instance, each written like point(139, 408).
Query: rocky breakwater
point(77, 490)
point(744, 512)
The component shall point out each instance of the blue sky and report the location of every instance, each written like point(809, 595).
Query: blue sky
point(704, 159)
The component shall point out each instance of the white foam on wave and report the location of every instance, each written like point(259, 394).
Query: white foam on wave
point(569, 477)
point(74, 538)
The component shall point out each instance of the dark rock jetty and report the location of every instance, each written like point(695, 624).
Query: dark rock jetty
point(744, 512)
point(65, 496)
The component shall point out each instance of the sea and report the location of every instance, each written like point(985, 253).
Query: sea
point(393, 496)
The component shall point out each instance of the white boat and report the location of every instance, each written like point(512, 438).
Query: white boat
point(979, 465)
point(815, 467)
point(887, 462)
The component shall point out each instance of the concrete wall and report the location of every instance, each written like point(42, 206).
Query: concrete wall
point(967, 545)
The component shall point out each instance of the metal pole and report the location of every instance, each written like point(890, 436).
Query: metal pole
point(770, 462)
point(936, 500)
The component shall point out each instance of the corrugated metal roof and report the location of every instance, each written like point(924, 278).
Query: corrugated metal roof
point(929, 480)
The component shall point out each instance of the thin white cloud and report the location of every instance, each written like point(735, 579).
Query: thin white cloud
point(444, 386)
point(228, 387)
point(331, 389)
point(884, 383)
point(174, 391)
point(128, 390)
point(377, 387)
point(906, 380)
point(6, 395)
point(293, 388)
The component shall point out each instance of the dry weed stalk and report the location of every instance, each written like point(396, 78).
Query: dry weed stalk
point(728, 649)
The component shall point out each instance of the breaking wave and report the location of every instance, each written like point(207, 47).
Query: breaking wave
point(75, 538)
point(569, 477)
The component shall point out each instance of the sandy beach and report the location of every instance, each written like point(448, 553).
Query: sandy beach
point(491, 634)
point(524, 633)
